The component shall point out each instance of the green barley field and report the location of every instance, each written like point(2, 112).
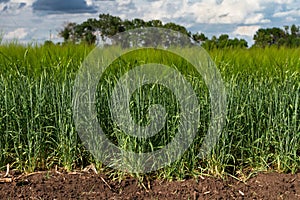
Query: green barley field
point(262, 130)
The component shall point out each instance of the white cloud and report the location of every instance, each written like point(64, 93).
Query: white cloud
point(28, 2)
point(124, 2)
point(246, 30)
point(290, 19)
point(256, 18)
point(290, 13)
point(219, 12)
point(282, 1)
point(19, 33)
point(89, 2)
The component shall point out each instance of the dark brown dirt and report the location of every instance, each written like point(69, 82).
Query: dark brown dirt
point(88, 185)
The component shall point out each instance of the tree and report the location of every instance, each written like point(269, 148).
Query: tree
point(109, 26)
point(138, 23)
point(89, 38)
point(154, 23)
point(262, 38)
point(295, 30)
point(286, 29)
point(176, 27)
point(199, 37)
point(48, 43)
point(224, 42)
point(289, 37)
point(68, 33)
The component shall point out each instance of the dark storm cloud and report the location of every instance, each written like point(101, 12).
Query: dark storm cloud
point(22, 5)
point(4, 1)
point(5, 8)
point(63, 6)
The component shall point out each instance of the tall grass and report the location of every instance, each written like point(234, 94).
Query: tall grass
point(262, 130)
point(263, 127)
point(36, 118)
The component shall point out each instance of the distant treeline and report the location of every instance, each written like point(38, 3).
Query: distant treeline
point(108, 25)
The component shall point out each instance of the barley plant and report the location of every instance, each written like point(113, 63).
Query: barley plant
point(262, 130)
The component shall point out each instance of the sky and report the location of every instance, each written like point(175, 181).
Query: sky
point(30, 21)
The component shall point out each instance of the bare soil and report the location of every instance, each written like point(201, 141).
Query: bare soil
point(89, 185)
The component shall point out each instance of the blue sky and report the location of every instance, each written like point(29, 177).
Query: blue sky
point(35, 20)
